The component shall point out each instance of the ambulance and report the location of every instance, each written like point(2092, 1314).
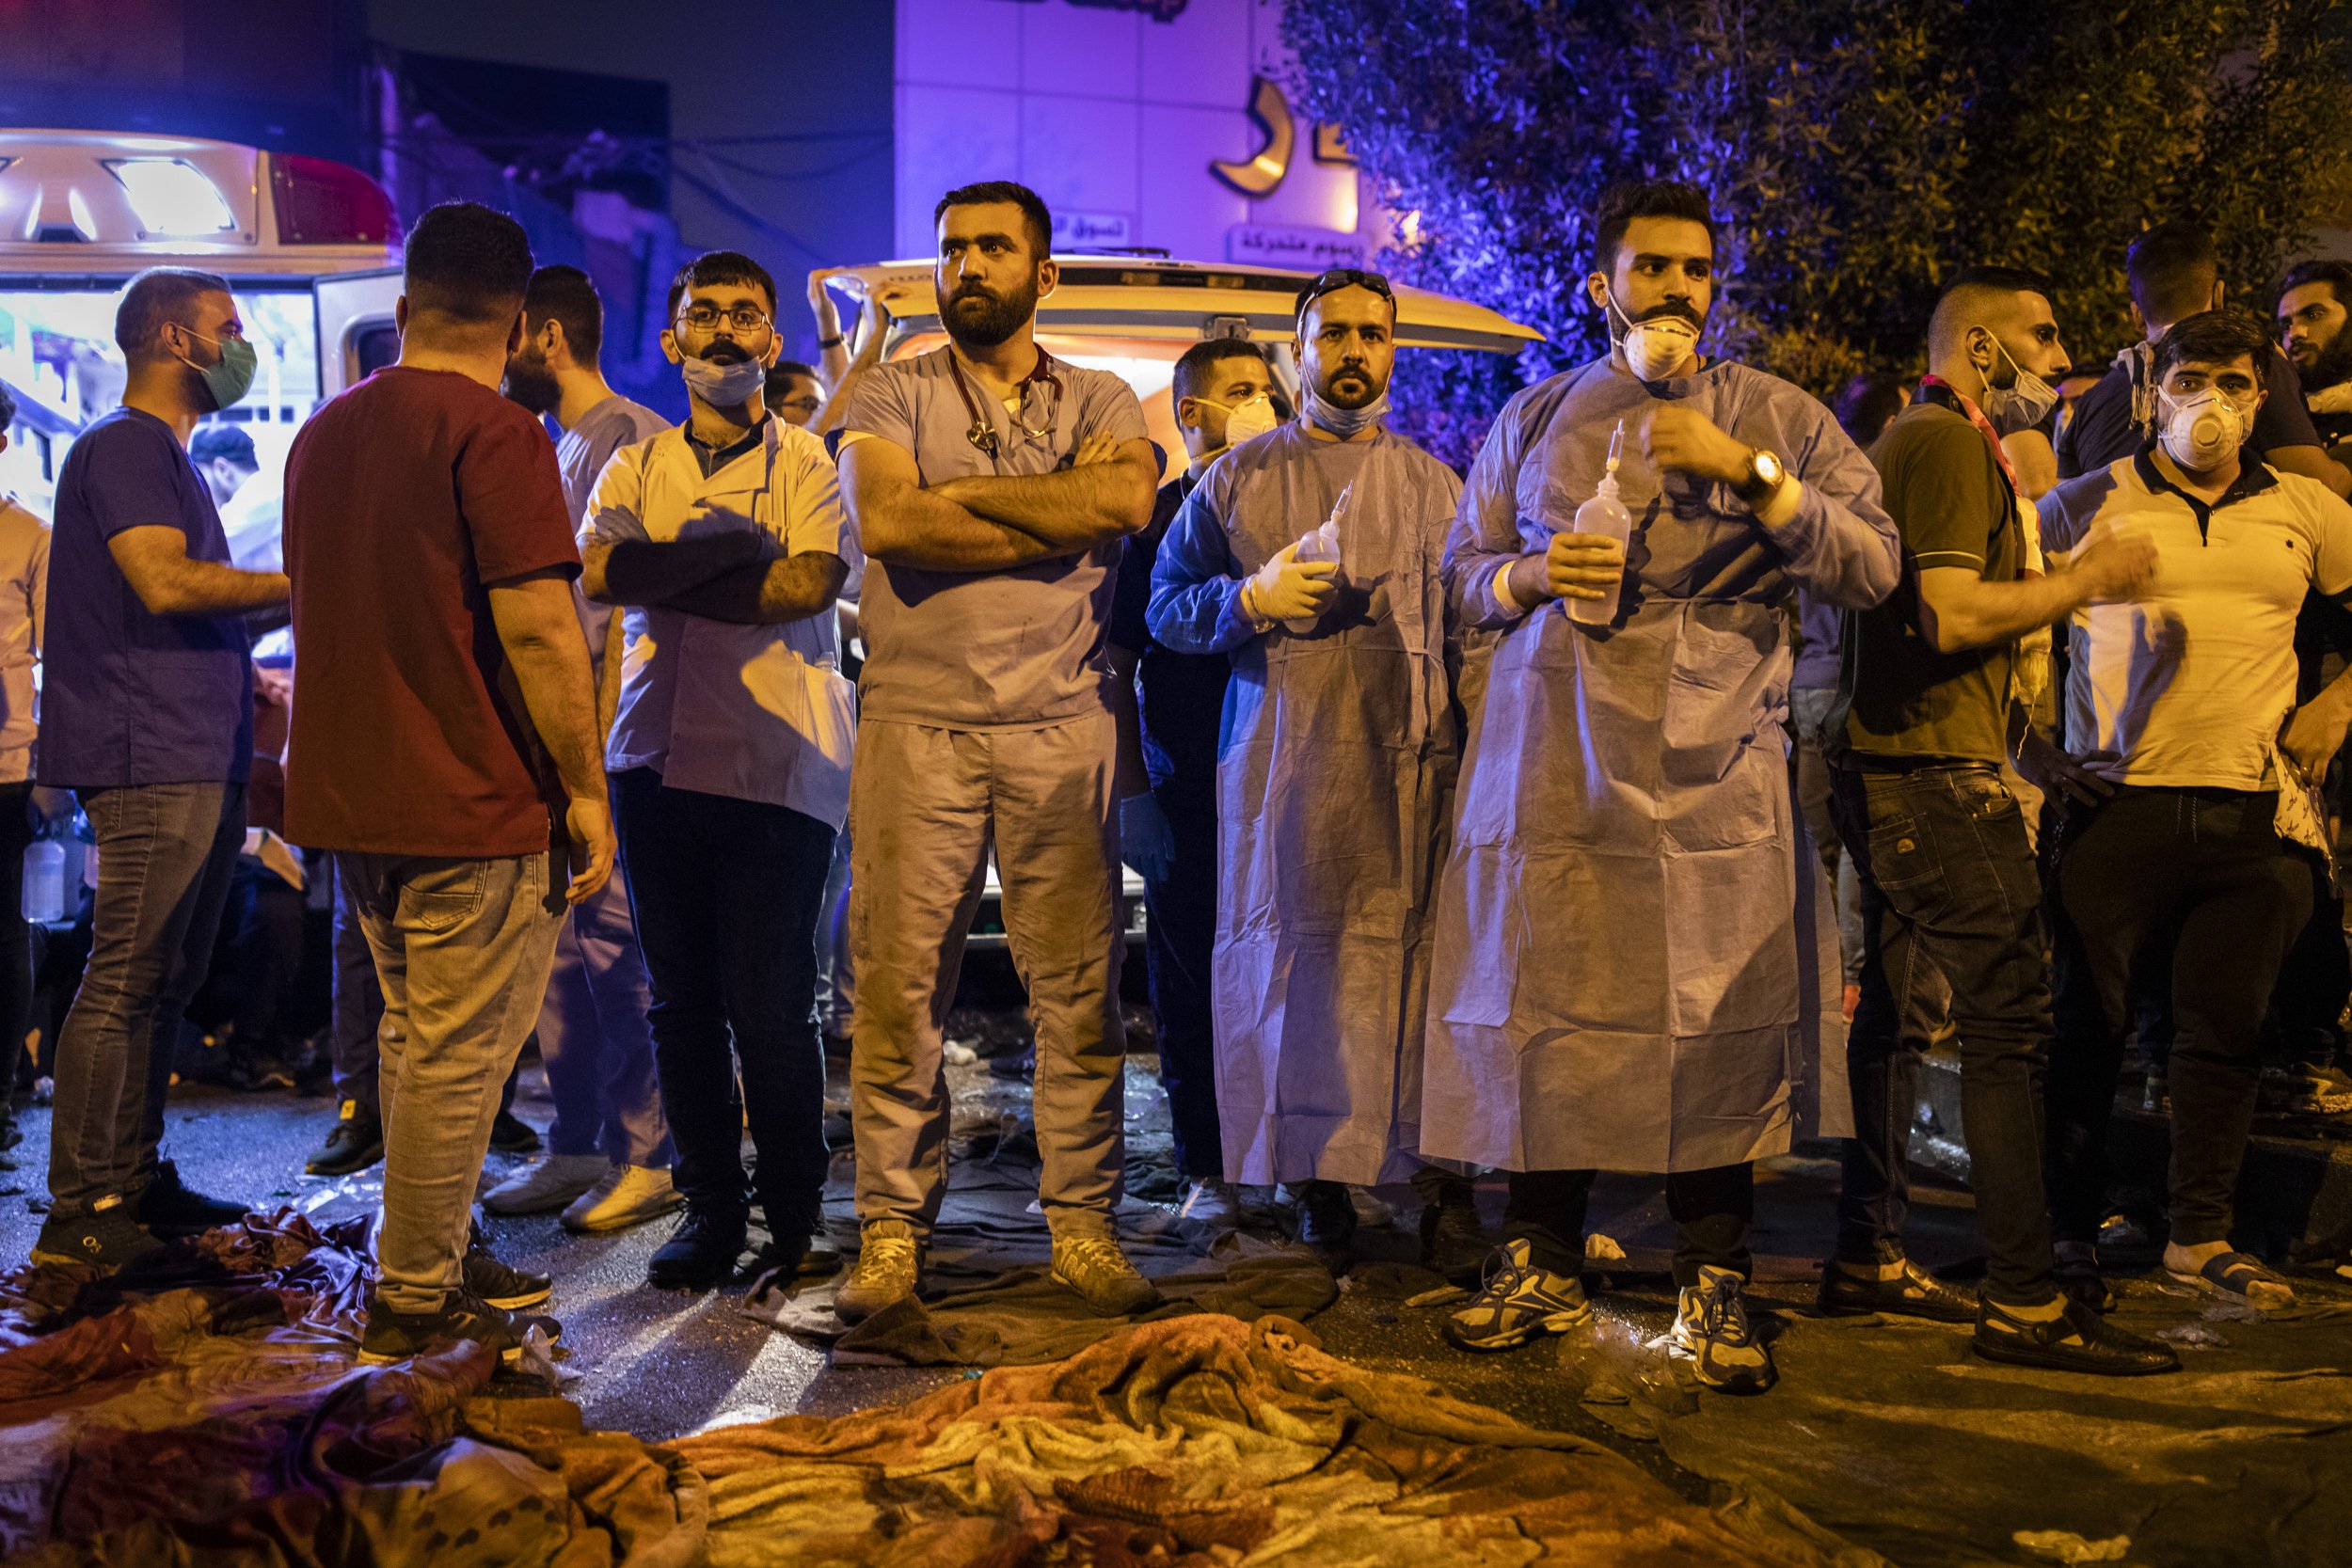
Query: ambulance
point(310, 249)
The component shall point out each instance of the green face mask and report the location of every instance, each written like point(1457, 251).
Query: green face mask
point(230, 380)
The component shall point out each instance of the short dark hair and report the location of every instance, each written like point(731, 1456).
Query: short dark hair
point(467, 263)
point(1621, 203)
point(156, 296)
point(217, 440)
point(989, 192)
point(2213, 338)
point(782, 371)
point(2336, 274)
point(713, 268)
point(567, 296)
point(8, 408)
point(1197, 364)
point(1966, 294)
point(2171, 268)
point(1867, 404)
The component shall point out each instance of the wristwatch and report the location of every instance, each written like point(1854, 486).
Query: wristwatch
point(1763, 480)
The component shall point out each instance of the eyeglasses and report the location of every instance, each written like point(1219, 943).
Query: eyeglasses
point(1336, 279)
point(706, 318)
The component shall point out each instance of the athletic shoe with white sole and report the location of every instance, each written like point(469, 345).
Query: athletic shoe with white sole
point(1516, 1300)
point(550, 1183)
point(1711, 1331)
point(625, 1196)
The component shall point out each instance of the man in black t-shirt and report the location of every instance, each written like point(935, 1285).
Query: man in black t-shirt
point(2174, 274)
point(2314, 300)
point(1949, 889)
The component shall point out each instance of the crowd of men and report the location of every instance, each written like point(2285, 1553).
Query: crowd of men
point(1470, 829)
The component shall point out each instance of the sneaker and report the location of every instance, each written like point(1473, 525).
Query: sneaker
point(626, 1196)
point(2076, 1340)
point(701, 1254)
point(1711, 1331)
point(357, 1143)
point(502, 1285)
point(398, 1335)
point(1090, 1263)
point(511, 1134)
point(888, 1270)
point(1452, 1241)
point(1327, 1222)
point(1517, 1301)
point(1913, 1293)
point(550, 1183)
point(170, 1207)
point(109, 1238)
point(1211, 1209)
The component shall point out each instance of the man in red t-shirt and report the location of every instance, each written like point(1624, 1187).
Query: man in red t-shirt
point(446, 746)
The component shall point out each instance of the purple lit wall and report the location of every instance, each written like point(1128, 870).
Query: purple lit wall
point(1114, 112)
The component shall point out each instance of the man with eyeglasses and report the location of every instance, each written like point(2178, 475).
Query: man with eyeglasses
point(1334, 768)
point(725, 541)
point(993, 484)
point(1633, 965)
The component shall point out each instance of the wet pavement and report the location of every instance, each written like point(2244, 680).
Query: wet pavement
point(1887, 1434)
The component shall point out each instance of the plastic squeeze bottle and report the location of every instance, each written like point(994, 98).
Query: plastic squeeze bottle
point(1606, 516)
point(1320, 544)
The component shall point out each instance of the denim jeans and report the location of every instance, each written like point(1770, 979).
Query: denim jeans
point(1809, 707)
point(727, 893)
point(1950, 897)
point(165, 856)
point(1180, 934)
point(596, 1042)
point(2198, 877)
point(462, 950)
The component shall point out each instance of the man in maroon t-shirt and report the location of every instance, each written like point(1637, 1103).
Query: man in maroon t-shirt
point(445, 747)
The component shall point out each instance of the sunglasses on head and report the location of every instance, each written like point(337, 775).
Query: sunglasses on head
point(1336, 279)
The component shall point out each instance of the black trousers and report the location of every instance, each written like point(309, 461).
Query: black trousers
point(2201, 872)
point(1180, 938)
point(1949, 894)
point(16, 937)
point(1713, 1210)
point(727, 893)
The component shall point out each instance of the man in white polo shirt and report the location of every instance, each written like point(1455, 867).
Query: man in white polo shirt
point(2181, 704)
point(730, 764)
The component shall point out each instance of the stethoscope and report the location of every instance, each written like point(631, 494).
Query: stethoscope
point(982, 434)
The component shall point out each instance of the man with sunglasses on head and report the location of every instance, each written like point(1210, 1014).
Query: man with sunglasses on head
point(992, 486)
point(1311, 557)
point(1634, 966)
point(725, 542)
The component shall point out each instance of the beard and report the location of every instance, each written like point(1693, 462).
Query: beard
point(530, 383)
point(2330, 366)
point(1350, 387)
point(1674, 309)
point(977, 316)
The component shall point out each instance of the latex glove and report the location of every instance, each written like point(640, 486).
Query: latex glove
point(1289, 589)
point(1146, 841)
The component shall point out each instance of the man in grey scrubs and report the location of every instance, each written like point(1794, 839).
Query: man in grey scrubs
point(991, 487)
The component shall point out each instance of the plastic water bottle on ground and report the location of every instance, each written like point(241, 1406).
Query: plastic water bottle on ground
point(1605, 516)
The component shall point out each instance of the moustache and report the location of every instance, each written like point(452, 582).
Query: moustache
point(726, 351)
point(1674, 309)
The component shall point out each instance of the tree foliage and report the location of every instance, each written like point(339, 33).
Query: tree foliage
point(1856, 151)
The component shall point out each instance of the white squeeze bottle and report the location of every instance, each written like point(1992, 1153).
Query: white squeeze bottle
point(44, 880)
point(1604, 514)
point(1320, 544)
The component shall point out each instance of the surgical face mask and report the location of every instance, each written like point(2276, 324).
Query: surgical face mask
point(2202, 431)
point(1344, 423)
point(1656, 348)
point(233, 377)
point(725, 383)
point(2022, 405)
point(1247, 419)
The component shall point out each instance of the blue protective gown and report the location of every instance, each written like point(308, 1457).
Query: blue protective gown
point(1335, 761)
point(1634, 970)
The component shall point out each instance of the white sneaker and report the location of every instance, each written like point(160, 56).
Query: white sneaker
point(629, 1195)
point(549, 1184)
point(1211, 1208)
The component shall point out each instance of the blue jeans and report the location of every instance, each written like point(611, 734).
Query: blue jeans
point(726, 892)
point(595, 1041)
point(1949, 894)
point(165, 856)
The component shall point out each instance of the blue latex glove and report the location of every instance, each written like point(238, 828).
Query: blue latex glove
point(1146, 841)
